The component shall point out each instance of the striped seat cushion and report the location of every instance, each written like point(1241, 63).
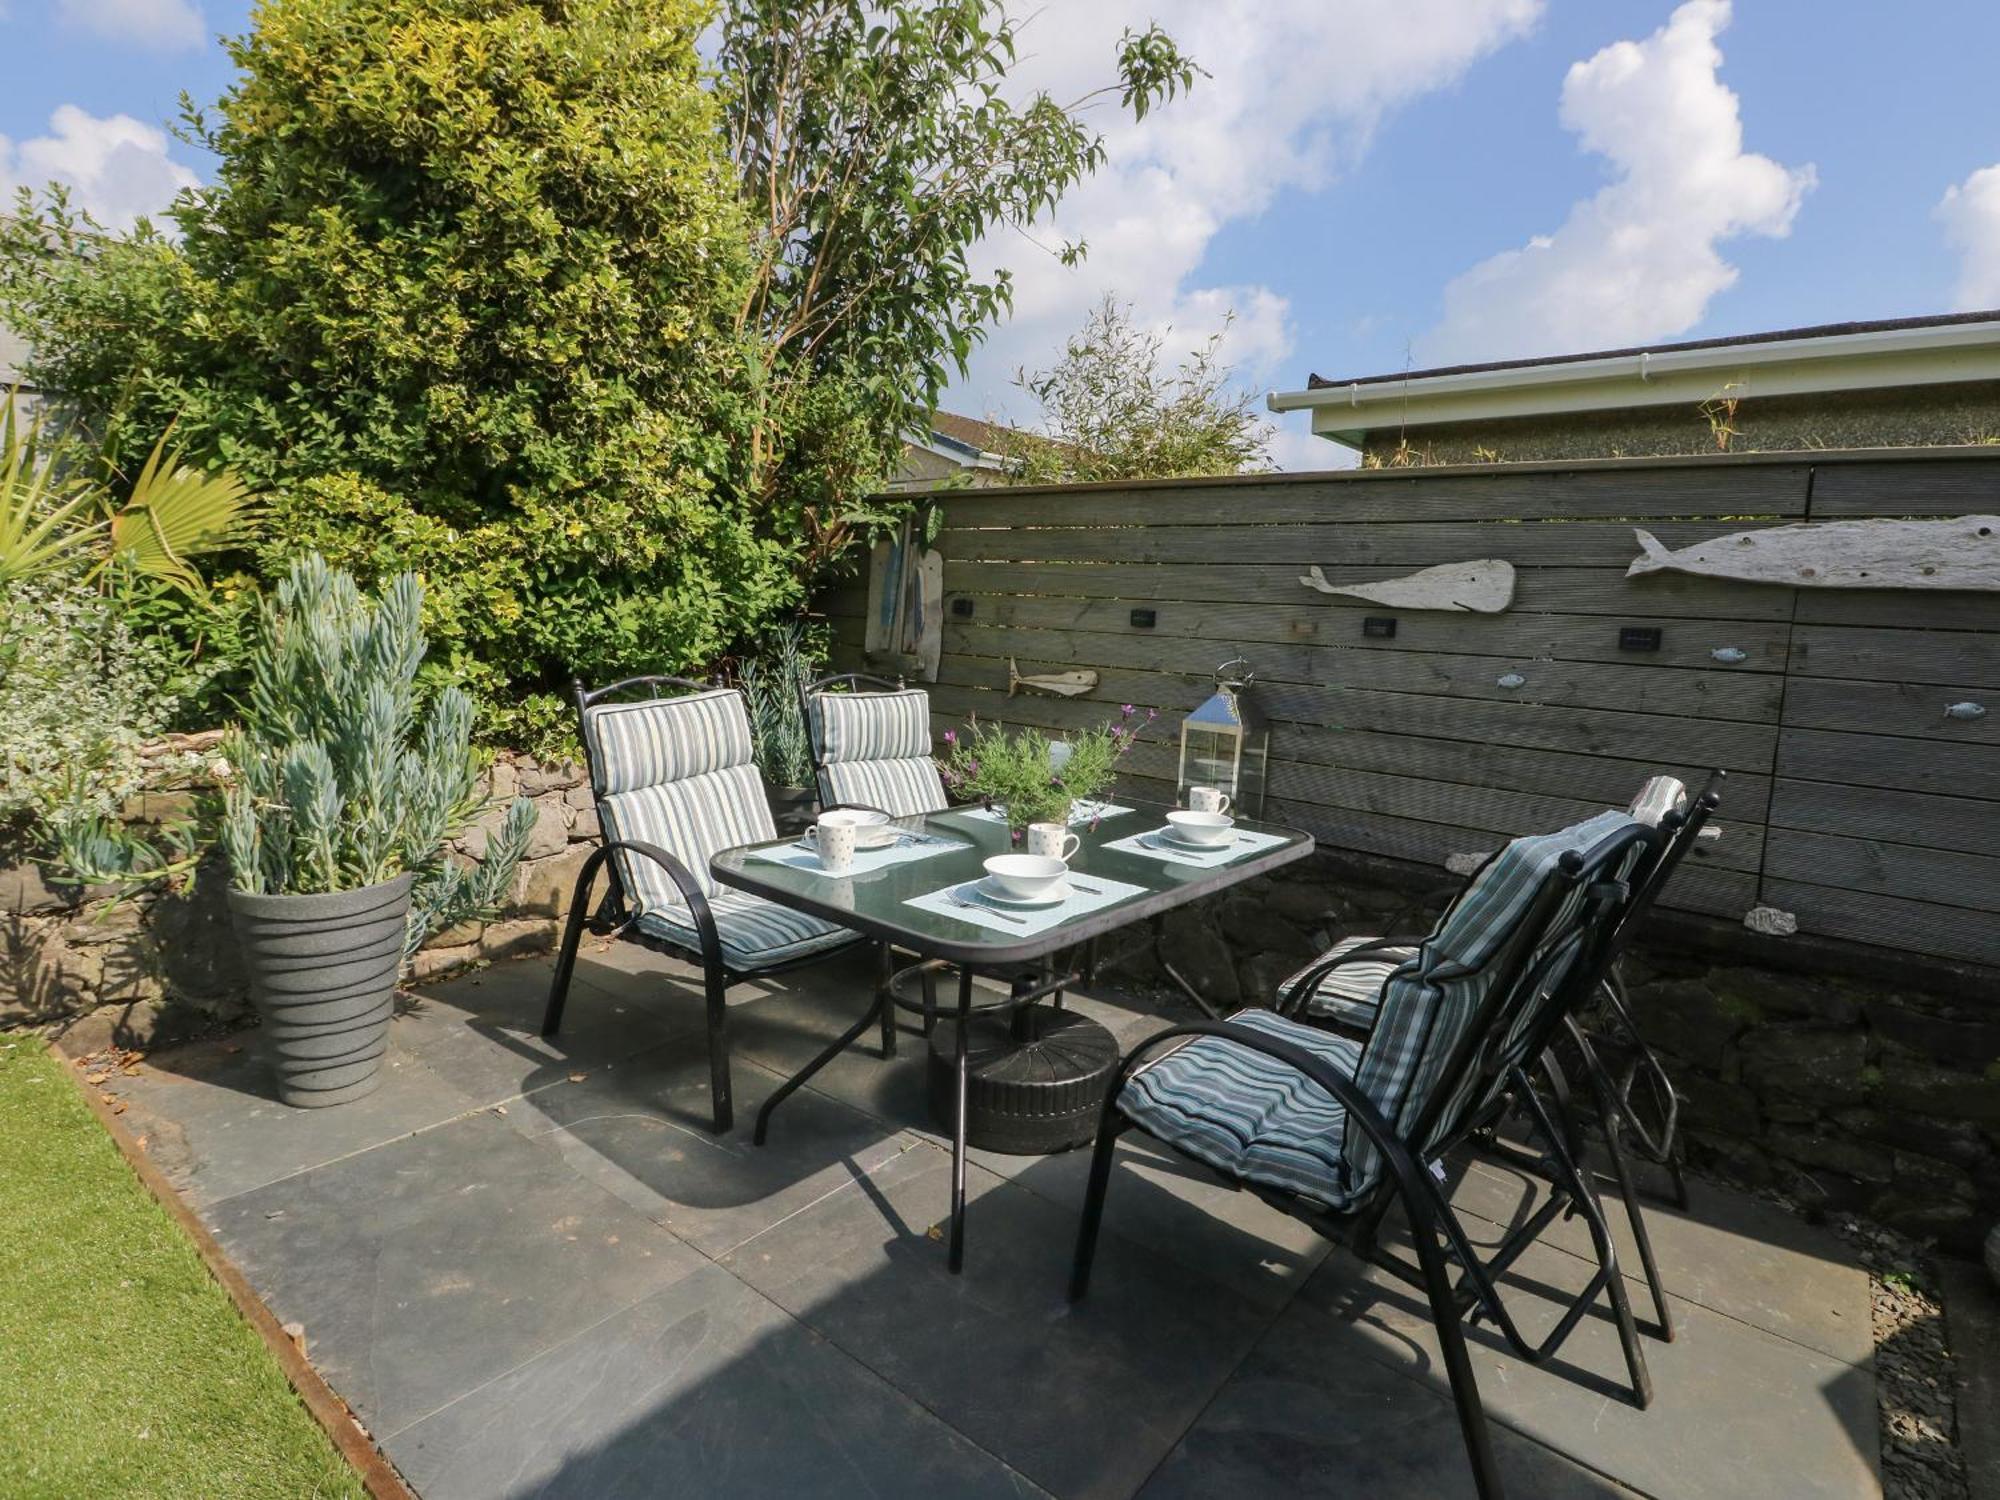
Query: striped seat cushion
point(875, 750)
point(1248, 1114)
point(1428, 1006)
point(692, 820)
point(657, 740)
point(1658, 797)
point(1349, 995)
point(898, 787)
point(755, 933)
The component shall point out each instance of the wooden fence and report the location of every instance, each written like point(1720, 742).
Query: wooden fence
point(1854, 801)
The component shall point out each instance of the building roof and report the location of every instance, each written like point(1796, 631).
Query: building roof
point(1317, 382)
point(1889, 354)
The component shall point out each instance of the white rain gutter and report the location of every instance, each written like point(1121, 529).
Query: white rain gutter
point(1871, 360)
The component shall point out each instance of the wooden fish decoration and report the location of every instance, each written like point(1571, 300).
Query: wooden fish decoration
point(1485, 587)
point(1062, 684)
point(1963, 553)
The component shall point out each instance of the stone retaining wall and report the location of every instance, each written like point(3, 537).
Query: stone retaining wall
point(1851, 1092)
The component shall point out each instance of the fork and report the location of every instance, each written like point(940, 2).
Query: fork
point(957, 897)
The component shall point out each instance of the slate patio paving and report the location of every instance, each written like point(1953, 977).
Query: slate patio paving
point(531, 1269)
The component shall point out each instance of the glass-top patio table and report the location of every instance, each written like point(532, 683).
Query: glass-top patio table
point(919, 895)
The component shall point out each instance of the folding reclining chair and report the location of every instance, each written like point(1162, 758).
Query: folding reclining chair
point(675, 782)
point(1341, 989)
point(1334, 1131)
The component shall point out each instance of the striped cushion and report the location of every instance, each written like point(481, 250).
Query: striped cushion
point(1248, 1114)
point(691, 819)
point(1424, 1018)
point(1349, 995)
point(755, 933)
point(898, 787)
point(1658, 797)
point(872, 726)
point(658, 740)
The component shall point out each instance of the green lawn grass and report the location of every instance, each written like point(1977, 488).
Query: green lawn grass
point(124, 1369)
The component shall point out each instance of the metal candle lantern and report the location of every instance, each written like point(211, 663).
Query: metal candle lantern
point(1225, 742)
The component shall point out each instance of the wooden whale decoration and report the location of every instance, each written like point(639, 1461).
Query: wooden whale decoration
point(1062, 684)
point(1485, 587)
point(1963, 553)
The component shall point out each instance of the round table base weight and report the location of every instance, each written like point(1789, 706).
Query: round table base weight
point(1025, 1097)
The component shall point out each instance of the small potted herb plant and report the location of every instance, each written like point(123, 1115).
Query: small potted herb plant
point(1031, 778)
point(335, 819)
point(778, 726)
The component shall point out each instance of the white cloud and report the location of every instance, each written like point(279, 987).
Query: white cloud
point(117, 168)
point(1970, 213)
point(1637, 261)
point(171, 25)
point(1293, 93)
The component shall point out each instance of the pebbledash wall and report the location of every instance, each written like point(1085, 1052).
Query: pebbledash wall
point(1858, 1057)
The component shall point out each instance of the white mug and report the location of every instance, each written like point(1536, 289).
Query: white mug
point(834, 838)
point(1053, 840)
point(1207, 799)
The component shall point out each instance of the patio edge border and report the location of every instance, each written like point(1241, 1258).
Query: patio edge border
point(332, 1414)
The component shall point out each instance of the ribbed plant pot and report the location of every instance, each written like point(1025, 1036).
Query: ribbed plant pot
point(322, 972)
point(792, 807)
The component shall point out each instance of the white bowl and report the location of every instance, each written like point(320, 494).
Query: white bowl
point(1209, 828)
point(1025, 876)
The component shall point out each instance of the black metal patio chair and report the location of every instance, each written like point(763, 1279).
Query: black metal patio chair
point(871, 744)
point(1336, 1131)
point(675, 781)
point(1341, 990)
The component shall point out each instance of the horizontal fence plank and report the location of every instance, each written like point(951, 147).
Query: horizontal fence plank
point(1900, 609)
point(1889, 921)
point(1538, 589)
point(1387, 544)
point(1943, 876)
point(1393, 496)
point(1556, 637)
point(1961, 487)
point(1905, 656)
point(1716, 694)
point(1922, 819)
point(1912, 710)
point(1654, 739)
point(1945, 767)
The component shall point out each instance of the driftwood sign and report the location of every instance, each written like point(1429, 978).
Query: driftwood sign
point(1963, 553)
point(1061, 684)
point(1485, 587)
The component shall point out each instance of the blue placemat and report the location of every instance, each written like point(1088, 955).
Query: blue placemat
point(915, 846)
point(1154, 844)
point(1087, 893)
point(1083, 812)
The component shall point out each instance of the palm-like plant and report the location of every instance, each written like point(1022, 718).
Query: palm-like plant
point(50, 518)
point(337, 785)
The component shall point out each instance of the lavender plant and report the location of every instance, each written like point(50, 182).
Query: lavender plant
point(336, 785)
point(1023, 773)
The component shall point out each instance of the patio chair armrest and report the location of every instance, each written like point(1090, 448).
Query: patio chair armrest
point(1360, 1108)
point(1294, 999)
point(682, 877)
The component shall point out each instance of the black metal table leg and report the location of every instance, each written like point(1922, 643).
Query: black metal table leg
point(957, 1258)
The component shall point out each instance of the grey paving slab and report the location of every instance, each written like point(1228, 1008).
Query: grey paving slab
point(1314, 1413)
point(642, 1131)
point(1084, 1400)
point(1736, 1411)
point(212, 1121)
point(1729, 1252)
point(482, 1032)
point(424, 1267)
point(705, 1387)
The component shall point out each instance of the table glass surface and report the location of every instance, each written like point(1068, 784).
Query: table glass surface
point(876, 901)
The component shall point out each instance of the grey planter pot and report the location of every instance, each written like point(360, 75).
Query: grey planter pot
point(322, 972)
point(792, 807)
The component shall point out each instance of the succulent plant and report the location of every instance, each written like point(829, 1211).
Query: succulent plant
point(343, 777)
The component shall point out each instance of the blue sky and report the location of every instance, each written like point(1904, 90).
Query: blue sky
point(1364, 183)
